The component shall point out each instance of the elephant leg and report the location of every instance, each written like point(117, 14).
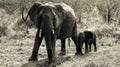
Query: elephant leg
point(78, 48)
point(81, 45)
point(37, 43)
point(95, 47)
point(86, 47)
point(75, 40)
point(90, 47)
point(63, 48)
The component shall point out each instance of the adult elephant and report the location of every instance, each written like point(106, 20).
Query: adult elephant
point(53, 21)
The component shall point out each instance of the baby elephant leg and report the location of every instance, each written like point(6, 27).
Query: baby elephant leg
point(95, 47)
point(90, 47)
point(86, 47)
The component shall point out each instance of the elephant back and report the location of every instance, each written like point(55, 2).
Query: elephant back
point(64, 8)
point(69, 20)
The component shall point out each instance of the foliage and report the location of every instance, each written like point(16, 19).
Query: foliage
point(90, 13)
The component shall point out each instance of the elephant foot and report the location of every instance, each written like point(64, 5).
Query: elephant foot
point(48, 64)
point(89, 50)
point(95, 50)
point(32, 59)
point(52, 65)
point(62, 53)
point(86, 52)
point(79, 53)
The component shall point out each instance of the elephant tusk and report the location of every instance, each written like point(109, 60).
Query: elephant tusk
point(69, 41)
point(53, 31)
point(40, 32)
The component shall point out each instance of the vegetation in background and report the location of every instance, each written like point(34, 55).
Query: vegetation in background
point(91, 14)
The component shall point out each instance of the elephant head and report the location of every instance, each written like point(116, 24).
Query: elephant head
point(37, 12)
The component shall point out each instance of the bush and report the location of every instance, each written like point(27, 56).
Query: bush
point(3, 31)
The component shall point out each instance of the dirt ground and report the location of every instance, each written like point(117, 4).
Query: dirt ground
point(15, 53)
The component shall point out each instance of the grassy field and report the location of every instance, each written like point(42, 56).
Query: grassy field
point(16, 46)
point(15, 53)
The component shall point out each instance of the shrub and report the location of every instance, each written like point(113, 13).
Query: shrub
point(3, 31)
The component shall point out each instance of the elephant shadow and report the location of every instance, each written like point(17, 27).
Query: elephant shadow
point(44, 62)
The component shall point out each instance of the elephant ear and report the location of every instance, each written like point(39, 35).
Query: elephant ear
point(60, 8)
point(33, 13)
point(34, 8)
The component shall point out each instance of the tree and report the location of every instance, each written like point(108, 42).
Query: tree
point(108, 8)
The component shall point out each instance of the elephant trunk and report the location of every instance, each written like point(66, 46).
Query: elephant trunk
point(48, 32)
point(40, 33)
point(51, 27)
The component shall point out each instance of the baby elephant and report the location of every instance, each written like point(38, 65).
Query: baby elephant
point(89, 38)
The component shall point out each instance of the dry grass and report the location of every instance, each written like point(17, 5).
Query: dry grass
point(15, 53)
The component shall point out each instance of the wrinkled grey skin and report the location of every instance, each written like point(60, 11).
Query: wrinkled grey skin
point(53, 21)
point(89, 38)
